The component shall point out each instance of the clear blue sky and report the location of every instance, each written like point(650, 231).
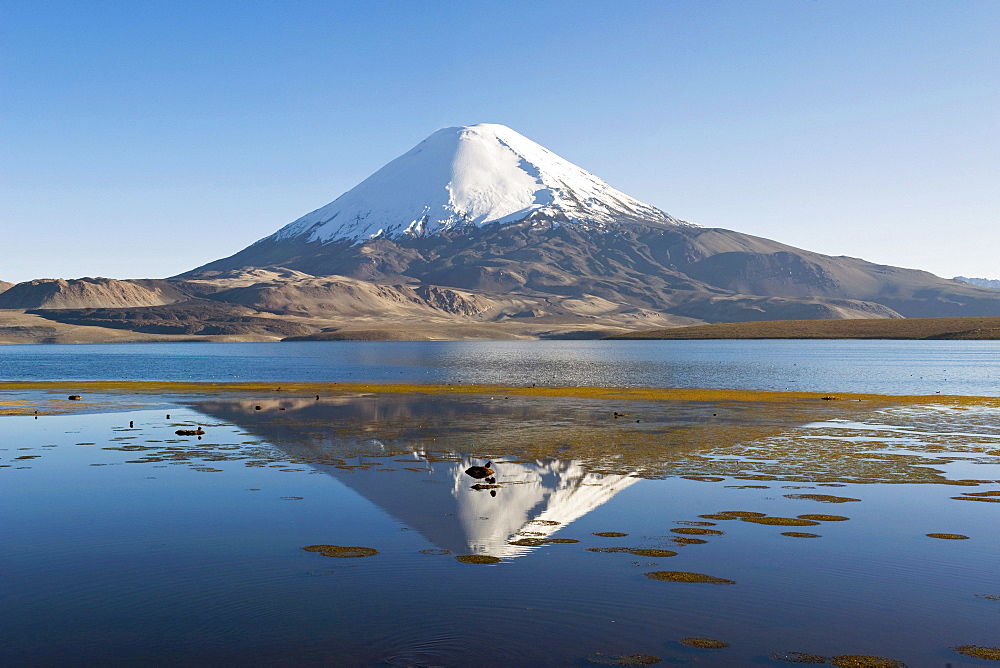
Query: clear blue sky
point(141, 139)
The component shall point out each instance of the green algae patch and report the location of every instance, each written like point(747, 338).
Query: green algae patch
point(977, 652)
point(528, 542)
point(703, 478)
point(342, 551)
point(987, 497)
point(623, 659)
point(697, 531)
point(435, 551)
point(988, 597)
point(637, 551)
point(652, 552)
point(800, 534)
point(732, 515)
point(684, 576)
point(684, 540)
point(865, 661)
point(477, 559)
point(822, 498)
point(948, 536)
point(780, 521)
point(824, 518)
point(703, 643)
point(797, 657)
point(691, 523)
point(610, 534)
point(560, 540)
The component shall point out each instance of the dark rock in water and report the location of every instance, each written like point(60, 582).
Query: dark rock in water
point(190, 432)
point(480, 472)
point(74, 397)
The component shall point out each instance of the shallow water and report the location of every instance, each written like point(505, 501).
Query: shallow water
point(883, 367)
point(135, 545)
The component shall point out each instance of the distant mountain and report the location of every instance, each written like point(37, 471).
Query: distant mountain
point(4, 286)
point(990, 283)
point(483, 209)
point(87, 293)
point(479, 232)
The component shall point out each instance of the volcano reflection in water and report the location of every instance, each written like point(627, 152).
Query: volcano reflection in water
point(388, 452)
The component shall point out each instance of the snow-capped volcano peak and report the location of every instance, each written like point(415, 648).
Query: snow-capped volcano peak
point(472, 175)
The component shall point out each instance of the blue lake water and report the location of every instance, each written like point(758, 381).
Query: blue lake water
point(122, 543)
point(886, 367)
point(861, 528)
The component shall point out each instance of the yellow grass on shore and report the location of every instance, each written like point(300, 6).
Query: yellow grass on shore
point(291, 390)
point(878, 328)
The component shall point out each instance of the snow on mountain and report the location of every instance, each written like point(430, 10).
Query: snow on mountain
point(473, 175)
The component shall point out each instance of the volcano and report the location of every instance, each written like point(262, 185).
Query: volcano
point(484, 209)
point(479, 232)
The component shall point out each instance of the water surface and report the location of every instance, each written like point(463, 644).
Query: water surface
point(884, 367)
point(132, 545)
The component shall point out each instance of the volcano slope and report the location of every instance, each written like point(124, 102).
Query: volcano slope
point(479, 232)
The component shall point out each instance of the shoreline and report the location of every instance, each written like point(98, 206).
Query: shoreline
point(260, 390)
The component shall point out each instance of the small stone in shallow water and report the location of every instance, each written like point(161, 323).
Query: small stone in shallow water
point(342, 551)
point(683, 576)
point(704, 643)
point(477, 559)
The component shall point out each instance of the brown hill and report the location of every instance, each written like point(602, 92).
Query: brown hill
point(672, 269)
point(909, 328)
point(88, 293)
point(340, 296)
point(4, 286)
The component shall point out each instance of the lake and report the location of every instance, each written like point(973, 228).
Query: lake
point(342, 528)
point(885, 367)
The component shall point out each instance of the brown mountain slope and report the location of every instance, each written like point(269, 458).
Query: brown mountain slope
point(4, 286)
point(88, 293)
point(672, 269)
